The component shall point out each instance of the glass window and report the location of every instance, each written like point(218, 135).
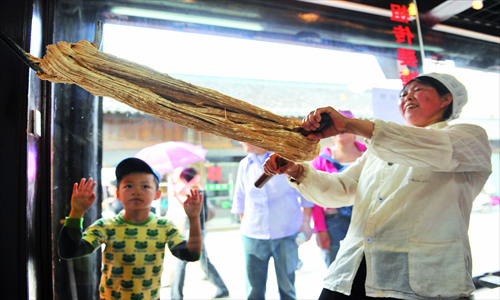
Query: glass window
point(266, 56)
point(289, 80)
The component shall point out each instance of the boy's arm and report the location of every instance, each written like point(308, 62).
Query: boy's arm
point(192, 207)
point(181, 252)
point(194, 242)
point(70, 243)
point(191, 250)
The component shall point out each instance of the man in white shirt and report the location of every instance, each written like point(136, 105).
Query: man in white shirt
point(271, 217)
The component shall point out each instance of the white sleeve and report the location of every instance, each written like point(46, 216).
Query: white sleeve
point(443, 148)
point(330, 189)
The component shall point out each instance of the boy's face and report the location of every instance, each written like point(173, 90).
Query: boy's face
point(137, 191)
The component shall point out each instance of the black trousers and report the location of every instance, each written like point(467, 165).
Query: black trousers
point(358, 288)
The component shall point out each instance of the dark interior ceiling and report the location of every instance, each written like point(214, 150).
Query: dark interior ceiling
point(451, 29)
point(454, 13)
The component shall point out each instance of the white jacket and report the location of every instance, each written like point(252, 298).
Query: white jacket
point(412, 193)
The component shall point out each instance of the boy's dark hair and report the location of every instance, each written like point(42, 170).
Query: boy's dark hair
point(135, 165)
point(188, 174)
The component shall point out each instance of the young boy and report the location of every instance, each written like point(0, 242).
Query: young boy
point(135, 239)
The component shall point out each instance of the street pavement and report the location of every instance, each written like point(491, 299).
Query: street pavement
point(225, 251)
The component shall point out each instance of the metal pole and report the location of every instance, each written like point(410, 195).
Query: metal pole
point(420, 39)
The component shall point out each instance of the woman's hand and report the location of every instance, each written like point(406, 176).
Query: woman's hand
point(82, 198)
point(275, 164)
point(323, 240)
point(340, 124)
point(312, 120)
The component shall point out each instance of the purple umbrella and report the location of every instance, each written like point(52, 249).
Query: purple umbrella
point(168, 156)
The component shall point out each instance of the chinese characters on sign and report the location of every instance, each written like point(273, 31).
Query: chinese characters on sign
point(406, 56)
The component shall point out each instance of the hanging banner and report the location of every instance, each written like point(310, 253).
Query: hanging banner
point(406, 56)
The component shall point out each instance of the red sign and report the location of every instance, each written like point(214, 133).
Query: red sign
point(403, 34)
point(399, 13)
point(214, 173)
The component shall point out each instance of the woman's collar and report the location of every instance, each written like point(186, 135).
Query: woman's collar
point(441, 124)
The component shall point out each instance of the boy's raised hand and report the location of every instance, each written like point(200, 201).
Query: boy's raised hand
point(192, 207)
point(82, 198)
point(193, 203)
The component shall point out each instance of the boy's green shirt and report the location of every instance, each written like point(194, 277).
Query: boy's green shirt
point(133, 254)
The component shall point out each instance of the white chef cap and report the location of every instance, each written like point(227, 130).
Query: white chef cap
point(455, 87)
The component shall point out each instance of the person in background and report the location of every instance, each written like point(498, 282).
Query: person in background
point(189, 179)
point(412, 192)
point(331, 224)
point(271, 218)
point(163, 201)
point(135, 238)
point(111, 205)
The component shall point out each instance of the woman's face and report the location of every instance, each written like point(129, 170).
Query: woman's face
point(420, 105)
